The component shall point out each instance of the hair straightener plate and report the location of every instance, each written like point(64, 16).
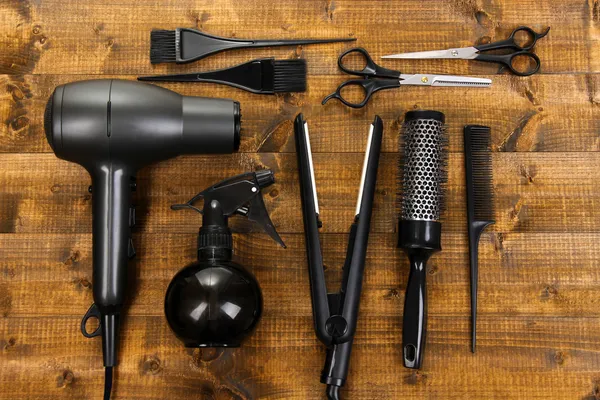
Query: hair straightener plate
point(335, 314)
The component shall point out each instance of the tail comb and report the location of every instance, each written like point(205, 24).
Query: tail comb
point(480, 203)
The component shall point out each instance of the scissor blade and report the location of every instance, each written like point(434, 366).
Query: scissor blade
point(444, 80)
point(466, 53)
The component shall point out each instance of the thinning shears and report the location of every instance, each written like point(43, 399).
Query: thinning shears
point(522, 50)
point(377, 78)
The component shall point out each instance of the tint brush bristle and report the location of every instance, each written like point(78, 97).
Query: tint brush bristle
point(163, 46)
point(289, 76)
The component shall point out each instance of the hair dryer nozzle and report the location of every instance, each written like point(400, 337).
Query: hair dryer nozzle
point(210, 125)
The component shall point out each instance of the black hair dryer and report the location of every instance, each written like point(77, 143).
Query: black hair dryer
point(113, 128)
point(216, 302)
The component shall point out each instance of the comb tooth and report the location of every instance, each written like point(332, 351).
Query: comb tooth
point(289, 76)
point(479, 141)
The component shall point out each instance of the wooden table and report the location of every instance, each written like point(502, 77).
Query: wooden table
point(539, 308)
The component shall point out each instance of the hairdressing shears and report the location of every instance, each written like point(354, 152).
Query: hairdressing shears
point(522, 49)
point(377, 78)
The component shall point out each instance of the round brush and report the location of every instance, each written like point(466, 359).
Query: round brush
point(422, 179)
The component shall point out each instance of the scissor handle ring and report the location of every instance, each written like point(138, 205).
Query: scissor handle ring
point(524, 53)
point(532, 35)
point(353, 82)
point(370, 66)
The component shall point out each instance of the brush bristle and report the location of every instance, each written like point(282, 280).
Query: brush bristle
point(423, 172)
point(478, 139)
point(163, 46)
point(289, 76)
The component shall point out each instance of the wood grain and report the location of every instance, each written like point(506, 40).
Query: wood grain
point(545, 113)
point(539, 309)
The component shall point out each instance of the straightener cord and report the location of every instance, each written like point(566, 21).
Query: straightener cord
point(108, 378)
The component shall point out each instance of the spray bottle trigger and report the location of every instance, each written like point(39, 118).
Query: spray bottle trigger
point(92, 312)
point(257, 212)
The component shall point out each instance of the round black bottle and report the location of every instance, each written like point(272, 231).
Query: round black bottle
point(214, 302)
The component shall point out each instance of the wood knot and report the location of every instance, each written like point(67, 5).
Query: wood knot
point(73, 258)
point(85, 283)
point(65, 379)
point(152, 366)
point(596, 391)
point(172, 191)
point(415, 378)
point(55, 188)
point(483, 40)
point(330, 9)
point(392, 294)
point(19, 123)
point(37, 30)
point(274, 193)
point(483, 18)
point(16, 92)
point(528, 173)
point(549, 292)
point(432, 269)
point(98, 28)
point(514, 214)
point(559, 357)
point(205, 355)
point(9, 343)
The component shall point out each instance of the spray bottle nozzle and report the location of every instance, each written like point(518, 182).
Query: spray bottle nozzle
point(236, 195)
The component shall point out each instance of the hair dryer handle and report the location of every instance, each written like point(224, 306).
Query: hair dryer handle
point(111, 247)
point(414, 326)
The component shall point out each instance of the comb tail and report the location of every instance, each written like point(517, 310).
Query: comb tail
point(476, 228)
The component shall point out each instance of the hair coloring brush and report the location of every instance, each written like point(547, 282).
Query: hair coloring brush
point(184, 45)
point(480, 203)
point(262, 76)
point(422, 184)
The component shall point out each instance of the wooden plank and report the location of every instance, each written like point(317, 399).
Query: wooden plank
point(541, 192)
point(538, 304)
point(108, 38)
point(154, 365)
point(543, 113)
point(521, 274)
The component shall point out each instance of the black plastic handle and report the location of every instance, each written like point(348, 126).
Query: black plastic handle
point(371, 69)
point(508, 59)
point(414, 325)
point(511, 43)
point(368, 86)
point(111, 250)
point(475, 229)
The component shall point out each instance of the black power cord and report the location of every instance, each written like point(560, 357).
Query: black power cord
point(108, 379)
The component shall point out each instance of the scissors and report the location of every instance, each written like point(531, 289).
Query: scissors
point(377, 78)
point(521, 49)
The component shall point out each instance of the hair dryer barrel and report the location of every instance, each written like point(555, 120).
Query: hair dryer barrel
point(113, 128)
point(136, 123)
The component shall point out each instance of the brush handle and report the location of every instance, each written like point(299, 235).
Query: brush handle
point(247, 76)
point(414, 325)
